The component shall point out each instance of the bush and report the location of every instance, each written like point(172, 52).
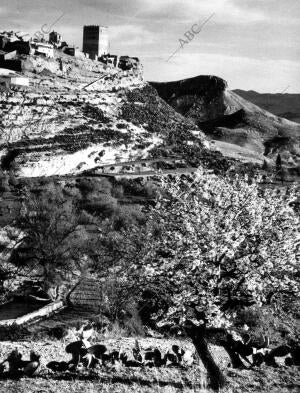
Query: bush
point(127, 215)
point(8, 159)
point(263, 322)
point(104, 205)
point(58, 332)
point(133, 325)
point(13, 333)
point(86, 218)
point(96, 186)
point(129, 326)
point(118, 191)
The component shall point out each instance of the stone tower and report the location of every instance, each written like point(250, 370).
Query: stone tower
point(95, 41)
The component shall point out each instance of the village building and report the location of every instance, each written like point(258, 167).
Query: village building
point(95, 41)
point(9, 78)
point(55, 38)
point(43, 48)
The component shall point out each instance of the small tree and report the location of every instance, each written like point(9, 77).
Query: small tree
point(279, 168)
point(265, 166)
point(217, 245)
point(278, 163)
point(53, 245)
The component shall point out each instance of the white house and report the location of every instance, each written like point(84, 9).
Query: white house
point(10, 78)
point(43, 48)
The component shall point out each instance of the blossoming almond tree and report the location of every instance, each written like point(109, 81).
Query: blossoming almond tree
point(217, 245)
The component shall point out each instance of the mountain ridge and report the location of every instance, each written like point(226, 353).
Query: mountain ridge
point(213, 108)
point(285, 105)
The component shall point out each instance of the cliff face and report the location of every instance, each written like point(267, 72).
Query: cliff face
point(228, 119)
point(199, 98)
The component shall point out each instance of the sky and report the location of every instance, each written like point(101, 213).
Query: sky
point(252, 44)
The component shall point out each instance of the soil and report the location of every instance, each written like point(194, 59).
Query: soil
point(141, 380)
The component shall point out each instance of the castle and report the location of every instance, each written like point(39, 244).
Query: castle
point(95, 41)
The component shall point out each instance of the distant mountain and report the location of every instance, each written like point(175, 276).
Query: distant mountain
point(283, 105)
point(237, 127)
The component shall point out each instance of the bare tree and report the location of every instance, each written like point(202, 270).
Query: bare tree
point(53, 245)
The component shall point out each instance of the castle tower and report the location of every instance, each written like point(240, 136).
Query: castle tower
point(95, 41)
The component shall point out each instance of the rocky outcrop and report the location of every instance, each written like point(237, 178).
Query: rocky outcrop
point(199, 98)
point(225, 116)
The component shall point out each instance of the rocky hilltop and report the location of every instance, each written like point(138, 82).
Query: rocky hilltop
point(237, 126)
point(77, 114)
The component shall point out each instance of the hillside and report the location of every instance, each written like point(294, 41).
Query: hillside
point(79, 114)
point(237, 127)
point(280, 104)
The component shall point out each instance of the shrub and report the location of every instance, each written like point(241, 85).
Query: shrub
point(86, 218)
point(104, 205)
point(13, 333)
point(262, 321)
point(88, 186)
point(118, 191)
point(8, 159)
point(127, 215)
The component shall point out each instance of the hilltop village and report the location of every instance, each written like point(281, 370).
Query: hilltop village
point(16, 47)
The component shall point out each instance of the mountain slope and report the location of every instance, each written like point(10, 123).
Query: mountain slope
point(226, 117)
point(280, 104)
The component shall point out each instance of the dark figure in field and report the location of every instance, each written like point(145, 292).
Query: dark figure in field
point(30, 366)
point(114, 356)
point(158, 359)
point(260, 349)
point(154, 358)
point(137, 352)
point(19, 367)
point(179, 352)
point(281, 351)
point(243, 349)
point(171, 358)
point(14, 363)
point(258, 359)
point(58, 366)
point(289, 361)
point(94, 354)
point(129, 361)
point(78, 350)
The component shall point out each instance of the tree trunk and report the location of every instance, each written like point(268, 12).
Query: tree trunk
point(216, 377)
point(236, 361)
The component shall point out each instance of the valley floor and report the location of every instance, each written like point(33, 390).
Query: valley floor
point(145, 380)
